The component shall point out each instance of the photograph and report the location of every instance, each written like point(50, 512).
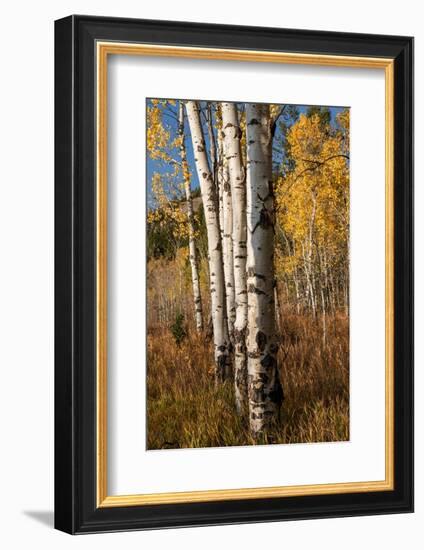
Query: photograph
point(234, 266)
point(247, 244)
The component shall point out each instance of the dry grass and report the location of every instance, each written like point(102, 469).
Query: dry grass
point(185, 409)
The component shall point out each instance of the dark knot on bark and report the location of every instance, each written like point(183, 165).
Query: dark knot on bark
point(261, 340)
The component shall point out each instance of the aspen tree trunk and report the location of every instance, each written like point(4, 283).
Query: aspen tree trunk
point(307, 257)
point(310, 289)
point(324, 323)
point(231, 134)
point(332, 292)
point(346, 290)
point(296, 285)
point(277, 304)
point(310, 251)
point(329, 283)
point(220, 190)
point(264, 387)
point(323, 283)
point(210, 204)
point(212, 147)
point(226, 222)
point(190, 216)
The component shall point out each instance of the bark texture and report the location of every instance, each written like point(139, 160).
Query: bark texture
point(226, 221)
point(222, 344)
point(190, 216)
point(264, 387)
point(236, 186)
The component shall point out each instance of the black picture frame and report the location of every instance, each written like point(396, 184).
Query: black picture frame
point(76, 510)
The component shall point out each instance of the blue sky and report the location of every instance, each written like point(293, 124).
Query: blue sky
point(170, 121)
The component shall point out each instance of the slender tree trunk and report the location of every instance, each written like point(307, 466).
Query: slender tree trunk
point(346, 290)
point(220, 190)
point(323, 283)
point(310, 272)
point(277, 304)
point(226, 221)
point(212, 144)
point(309, 286)
point(286, 284)
point(324, 322)
point(264, 387)
point(231, 134)
point(190, 216)
point(331, 291)
point(210, 204)
point(296, 285)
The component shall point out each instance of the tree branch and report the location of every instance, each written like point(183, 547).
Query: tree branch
point(321, 162)
point(318, 164)
point(274, 123)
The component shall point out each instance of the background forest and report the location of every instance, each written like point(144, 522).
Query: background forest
point(247, 274)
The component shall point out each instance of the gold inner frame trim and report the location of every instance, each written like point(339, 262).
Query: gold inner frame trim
point(103, 50)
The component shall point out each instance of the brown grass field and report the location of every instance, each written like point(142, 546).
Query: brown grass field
point(186, 410)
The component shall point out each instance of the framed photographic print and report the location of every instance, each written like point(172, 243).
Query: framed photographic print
point(234, 274)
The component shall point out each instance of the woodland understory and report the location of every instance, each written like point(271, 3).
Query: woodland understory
point(247, 274)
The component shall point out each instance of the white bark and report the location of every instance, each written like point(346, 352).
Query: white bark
point(231, 134)
point(226, 222)
point(210, 204)
point(277, 305)
point(264, 387)
point(190, 217)
point(212, 148)
point(220, 185)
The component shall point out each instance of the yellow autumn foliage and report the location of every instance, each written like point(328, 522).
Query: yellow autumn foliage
point(157, 134)
point(312, 197)
point(168, 214)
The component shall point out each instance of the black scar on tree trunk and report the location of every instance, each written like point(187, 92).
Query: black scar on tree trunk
point(223, 367)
